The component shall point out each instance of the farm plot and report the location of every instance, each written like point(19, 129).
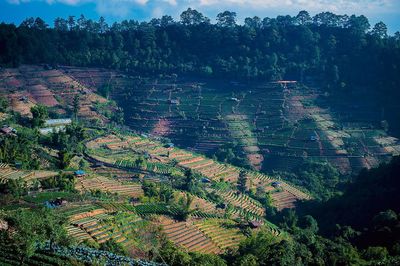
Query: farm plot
point(43, 95)
point(283, 200)
point(208, 117)
point(98, 224)
point(53, 88)
point(9, 256)
point(224, 233)
point(102, 222)
point(188, 236)
point(242, 132)
point(109, 185)
point(242, 201)
point(202, 206)
point(207, 167)
point(8, 173)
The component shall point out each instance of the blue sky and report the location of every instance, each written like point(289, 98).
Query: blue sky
point(15, 11)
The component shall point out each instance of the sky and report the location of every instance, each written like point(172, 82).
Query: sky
point(15, 11)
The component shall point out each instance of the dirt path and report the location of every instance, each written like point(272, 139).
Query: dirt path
point(321, 148)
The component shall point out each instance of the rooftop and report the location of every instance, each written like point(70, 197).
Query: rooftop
point(56, 122)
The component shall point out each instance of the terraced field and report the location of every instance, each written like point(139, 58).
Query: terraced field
point(207, 167)
point(29, 85)
point(188, 236)
point(99, 223)
point(9, 173)
point(277, 126)
point(224, 233)
point(13, 174)
point(109, 185)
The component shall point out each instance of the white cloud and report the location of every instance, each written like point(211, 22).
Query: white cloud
point(311, 5)
point(122, 8)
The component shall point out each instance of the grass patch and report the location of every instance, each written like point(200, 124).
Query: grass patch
point(46, 196)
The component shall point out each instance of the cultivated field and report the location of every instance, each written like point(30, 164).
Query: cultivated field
point(29, 85)
point(276, 126)
point(125, 146)
point(109, 185)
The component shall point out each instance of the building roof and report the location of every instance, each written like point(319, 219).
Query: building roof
point(79, 172)
point(48, 130)
point(7, 130)
point(275, 184)
point(255, 224)
point(57, 122)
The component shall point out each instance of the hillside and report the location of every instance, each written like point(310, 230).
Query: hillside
point(276, 126)
point(175, 143)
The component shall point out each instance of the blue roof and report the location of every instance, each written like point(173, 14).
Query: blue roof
point(79, 172)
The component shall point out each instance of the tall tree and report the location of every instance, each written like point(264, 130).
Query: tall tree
point(39, 114)
point(75, 106)
point(226, 19)
point(303, 18)
point(241, 182)
point(380, 30)
point(193, 17)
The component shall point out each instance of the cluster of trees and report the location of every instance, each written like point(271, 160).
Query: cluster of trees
point(162, 193)
point(23, 148)
point(3, 104)
point(27, 229)
point(232, 153)
point(39, 114)
point(68, 142)
point(64, 181)
point(19, 148)
point(372, 192)
point(322, 180)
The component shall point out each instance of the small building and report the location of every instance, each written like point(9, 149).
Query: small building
point(313, 138)
point(79, 173)
point(173, 101)
point(98, 165)
point(234, 99)
point(221, 206)
point(56, 203)
point(255, 224)
point(18, 164)
point(7, 130)
point(55, 125)
point(59, 202)
point(169, 145)
point(24, 99)
point(276, 184)
point(205, 180)
point(48, 130)
point(58, 122)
